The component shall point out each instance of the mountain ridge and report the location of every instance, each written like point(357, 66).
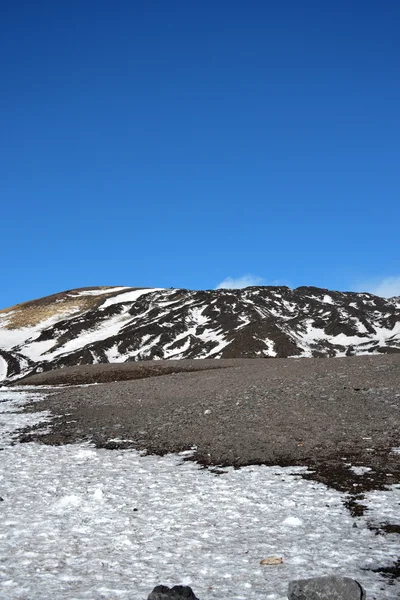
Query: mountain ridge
point(119, 324)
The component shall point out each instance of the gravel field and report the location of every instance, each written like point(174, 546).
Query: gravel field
point(327, 414)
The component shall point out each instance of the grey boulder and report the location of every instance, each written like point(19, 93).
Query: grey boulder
point(326, 588)
point(178, 592)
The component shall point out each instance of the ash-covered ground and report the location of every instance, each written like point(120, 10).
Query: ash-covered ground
point(326, 414)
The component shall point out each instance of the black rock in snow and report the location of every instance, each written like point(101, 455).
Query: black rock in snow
point(326, 588)
point(178, 592)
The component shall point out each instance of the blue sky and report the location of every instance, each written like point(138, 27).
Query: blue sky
point(181, 143)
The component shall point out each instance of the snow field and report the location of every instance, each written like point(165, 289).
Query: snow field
point(79, 523)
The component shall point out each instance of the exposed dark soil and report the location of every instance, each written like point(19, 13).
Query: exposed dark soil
point(106, 373)
point(383, 528)
point(327, 414)
point(391, 572)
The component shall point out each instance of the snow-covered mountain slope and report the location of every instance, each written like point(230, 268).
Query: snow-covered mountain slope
point(119, 324)
point(395, 300)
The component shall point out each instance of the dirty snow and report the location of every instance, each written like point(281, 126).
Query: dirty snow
point(12, 417)
point(79, 523)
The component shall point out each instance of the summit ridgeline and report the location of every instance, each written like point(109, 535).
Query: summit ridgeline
point(120, 324)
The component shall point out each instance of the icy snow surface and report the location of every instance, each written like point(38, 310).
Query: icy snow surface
point(79, 523)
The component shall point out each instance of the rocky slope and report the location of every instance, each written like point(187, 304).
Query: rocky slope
point(100, 325)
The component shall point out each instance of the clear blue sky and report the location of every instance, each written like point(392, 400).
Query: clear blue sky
point(177, 143)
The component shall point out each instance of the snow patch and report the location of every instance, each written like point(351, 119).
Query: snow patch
point(101, 292)
point(360, 470)
point(128, 296)
point(3, 368)
point(270, 348)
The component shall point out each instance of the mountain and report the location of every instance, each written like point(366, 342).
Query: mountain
point(118, 324)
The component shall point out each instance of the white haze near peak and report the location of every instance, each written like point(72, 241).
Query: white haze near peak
point(388, 287)
point(231, 283)
point(82, 523)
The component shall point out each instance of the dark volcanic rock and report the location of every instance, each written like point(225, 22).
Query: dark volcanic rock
point(326, 588)
point(178, 592)
point(15, 362)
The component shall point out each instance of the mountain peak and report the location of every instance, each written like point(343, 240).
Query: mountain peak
point(119, 324)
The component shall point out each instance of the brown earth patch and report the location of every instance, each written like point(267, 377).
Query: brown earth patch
point(33, 312)
point(108, 373)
